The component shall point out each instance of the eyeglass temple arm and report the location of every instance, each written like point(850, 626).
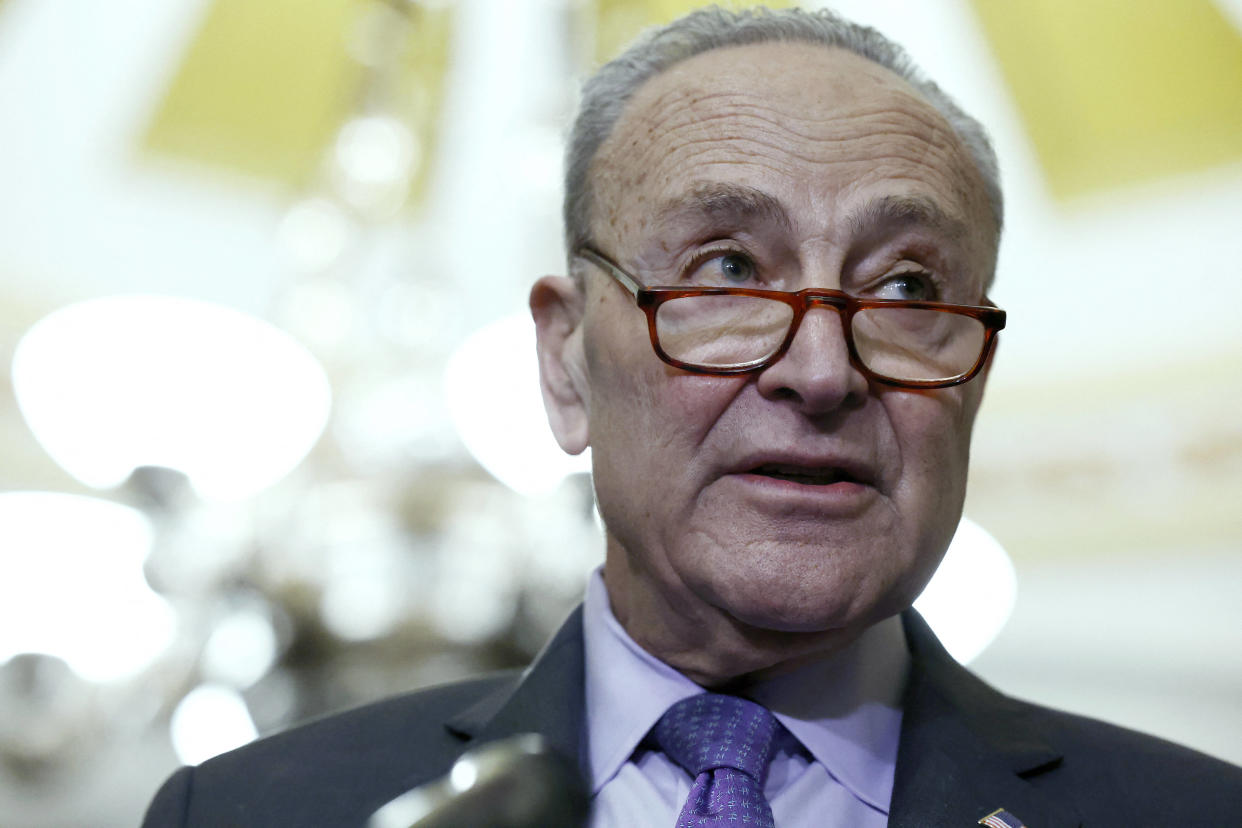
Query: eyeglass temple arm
point(601, 261)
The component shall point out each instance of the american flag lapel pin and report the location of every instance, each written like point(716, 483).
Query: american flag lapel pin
point(1000, 818)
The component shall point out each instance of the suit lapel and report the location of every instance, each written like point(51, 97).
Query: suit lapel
point(548, 698)
point(966, 749)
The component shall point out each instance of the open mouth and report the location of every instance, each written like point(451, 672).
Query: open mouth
point(806, 475)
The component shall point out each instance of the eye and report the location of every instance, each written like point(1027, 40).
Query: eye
point(913, 286)
point(721, 267)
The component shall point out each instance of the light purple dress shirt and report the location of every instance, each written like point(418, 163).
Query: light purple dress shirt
point(843, 713)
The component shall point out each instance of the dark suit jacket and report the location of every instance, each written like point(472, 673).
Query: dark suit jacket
point(965, 751)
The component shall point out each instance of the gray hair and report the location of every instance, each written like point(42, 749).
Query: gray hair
point(605, 95)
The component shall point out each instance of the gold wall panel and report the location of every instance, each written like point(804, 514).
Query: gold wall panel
point(261, 89)
point(1114, 92)
point(265, 84)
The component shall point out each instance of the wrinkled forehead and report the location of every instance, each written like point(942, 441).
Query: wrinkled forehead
point(820, 122)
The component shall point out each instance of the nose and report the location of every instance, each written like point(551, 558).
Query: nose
point(816, 373)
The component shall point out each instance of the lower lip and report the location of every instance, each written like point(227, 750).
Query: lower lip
point(841, 497)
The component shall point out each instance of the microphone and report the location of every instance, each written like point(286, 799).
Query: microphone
point(518, 782)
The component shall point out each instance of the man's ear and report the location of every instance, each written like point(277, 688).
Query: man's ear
point(557, 303)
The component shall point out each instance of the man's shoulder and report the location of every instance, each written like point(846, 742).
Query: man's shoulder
point(968, 748)
point(334, 770)
point(1116, 775)
point(1054, 768)
point(1105, 752)
point(337, 770)
point(421, 711)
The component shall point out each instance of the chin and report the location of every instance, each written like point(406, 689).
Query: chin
point(791, 616)
point(845, 609)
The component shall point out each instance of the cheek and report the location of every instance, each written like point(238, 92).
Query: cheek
point(932, 433)
point(639, 402)
point(660, 419)
point(650, 430)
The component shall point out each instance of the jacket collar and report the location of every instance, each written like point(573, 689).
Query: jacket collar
point(966, 750)
point(547, 698)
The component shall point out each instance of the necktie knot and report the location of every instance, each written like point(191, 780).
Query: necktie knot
point(725, 742)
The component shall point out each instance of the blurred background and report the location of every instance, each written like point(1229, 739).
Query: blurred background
point(270, 436)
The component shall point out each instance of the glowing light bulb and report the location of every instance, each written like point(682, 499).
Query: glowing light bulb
point(73, 585)
point(972, 594)
point(491, 386)
point(112, 384)
point(210, 720)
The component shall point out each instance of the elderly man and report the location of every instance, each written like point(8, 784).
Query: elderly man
point(774, 338)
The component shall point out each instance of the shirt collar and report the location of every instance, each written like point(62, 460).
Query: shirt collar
point(845, 709)
point(627, 688)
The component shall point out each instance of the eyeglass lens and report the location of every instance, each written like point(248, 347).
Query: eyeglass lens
point(726, 331)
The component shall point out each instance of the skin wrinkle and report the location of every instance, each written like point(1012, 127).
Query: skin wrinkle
point(711, 211)
point(879, 169)
point(726, 202)
point(746, 116)
point(700, 150)
point(740, 111)
point(717, 584)
point(932, 137)
point(908, 210)
point(680, 97)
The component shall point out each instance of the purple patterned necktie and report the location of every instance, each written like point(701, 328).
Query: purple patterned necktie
point(726, 743)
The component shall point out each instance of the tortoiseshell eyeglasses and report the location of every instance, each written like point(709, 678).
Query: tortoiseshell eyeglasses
point(733, 330)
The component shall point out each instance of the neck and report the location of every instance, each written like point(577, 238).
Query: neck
point(705, 643)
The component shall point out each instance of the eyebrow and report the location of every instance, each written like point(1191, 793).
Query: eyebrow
point(724, 203)
point(907, 211)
